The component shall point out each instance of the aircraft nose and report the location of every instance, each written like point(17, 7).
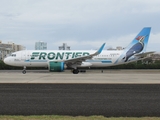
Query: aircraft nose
point(6, 60)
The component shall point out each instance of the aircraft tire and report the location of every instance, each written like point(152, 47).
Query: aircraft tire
point(75, 71)
point(24, 72)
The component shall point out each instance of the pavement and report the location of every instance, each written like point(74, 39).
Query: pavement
point(110, 100)
point(113, 93)
point(89, 77)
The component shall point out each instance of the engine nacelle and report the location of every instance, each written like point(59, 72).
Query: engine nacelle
point(56, 66)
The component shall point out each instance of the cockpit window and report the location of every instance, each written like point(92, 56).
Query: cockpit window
point(13, 55)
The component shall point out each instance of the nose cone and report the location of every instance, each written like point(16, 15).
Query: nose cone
point(6, 61)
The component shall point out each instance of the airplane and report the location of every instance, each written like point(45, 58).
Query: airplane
point(59, 60)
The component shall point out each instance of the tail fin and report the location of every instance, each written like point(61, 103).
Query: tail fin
point(143, 36)
point(138, 45)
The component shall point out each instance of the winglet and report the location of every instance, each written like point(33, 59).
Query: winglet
point(100, 49)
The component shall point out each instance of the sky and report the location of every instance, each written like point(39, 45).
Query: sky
point(82, 24)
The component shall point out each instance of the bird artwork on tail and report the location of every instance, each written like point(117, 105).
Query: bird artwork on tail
point(136, 48)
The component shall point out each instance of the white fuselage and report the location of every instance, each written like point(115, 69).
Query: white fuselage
point(40, 58)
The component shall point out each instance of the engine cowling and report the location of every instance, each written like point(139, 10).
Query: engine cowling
point(56, 66)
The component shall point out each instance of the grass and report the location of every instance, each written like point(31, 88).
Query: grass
point(56, 117)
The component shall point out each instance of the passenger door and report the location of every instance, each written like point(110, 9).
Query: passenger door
point(25, 58)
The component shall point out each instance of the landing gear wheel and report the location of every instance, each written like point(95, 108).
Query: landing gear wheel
point(75, 71)
point(24, 71)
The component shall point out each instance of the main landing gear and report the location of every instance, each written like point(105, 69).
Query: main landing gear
point(24, 70)
point(75, 71)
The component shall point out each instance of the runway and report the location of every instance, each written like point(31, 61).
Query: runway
point(116, 93)
point(110, 100)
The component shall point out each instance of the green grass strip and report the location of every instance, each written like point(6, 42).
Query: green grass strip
point(58, 117)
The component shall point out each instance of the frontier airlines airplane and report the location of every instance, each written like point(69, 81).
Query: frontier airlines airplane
point(58, 60)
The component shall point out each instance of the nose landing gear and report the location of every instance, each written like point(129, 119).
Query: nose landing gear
point(24, 70)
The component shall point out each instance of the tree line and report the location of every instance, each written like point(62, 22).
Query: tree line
point(134, 65)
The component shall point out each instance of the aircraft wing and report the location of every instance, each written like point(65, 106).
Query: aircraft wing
point(79, 60)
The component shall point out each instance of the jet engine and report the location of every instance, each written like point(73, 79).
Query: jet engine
point(56, 66)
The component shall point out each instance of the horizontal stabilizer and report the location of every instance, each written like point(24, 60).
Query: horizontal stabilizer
point(144, 54)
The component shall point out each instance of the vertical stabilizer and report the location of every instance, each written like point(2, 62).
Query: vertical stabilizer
point(138, 45)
